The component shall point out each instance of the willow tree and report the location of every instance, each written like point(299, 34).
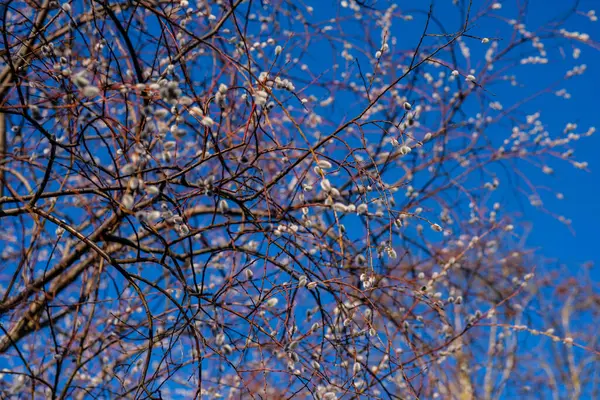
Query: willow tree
point(264, 199)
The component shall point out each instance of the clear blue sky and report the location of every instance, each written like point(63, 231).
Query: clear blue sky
point(581, 189)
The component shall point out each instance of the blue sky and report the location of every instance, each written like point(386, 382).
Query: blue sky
point(581, 188)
